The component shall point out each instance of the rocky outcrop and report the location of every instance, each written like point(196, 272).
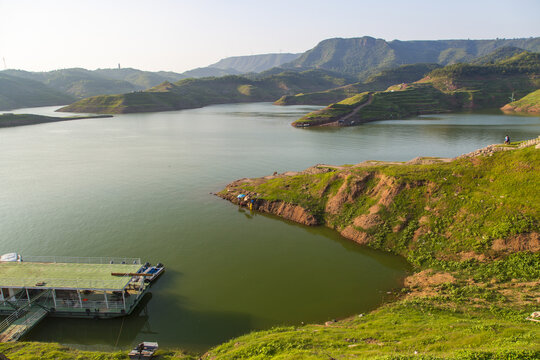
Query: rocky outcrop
point(359, 237)
point(287, 211)
point(520, 242)
point(491, 149)
point(282, 209)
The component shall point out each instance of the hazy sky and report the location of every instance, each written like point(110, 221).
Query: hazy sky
point(181, 35)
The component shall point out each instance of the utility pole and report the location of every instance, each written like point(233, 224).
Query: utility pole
point(5, 66)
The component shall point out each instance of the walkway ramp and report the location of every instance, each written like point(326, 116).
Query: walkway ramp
point(23, 319)
point(22, 325)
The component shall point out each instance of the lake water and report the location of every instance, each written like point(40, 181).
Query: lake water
point(138, 185)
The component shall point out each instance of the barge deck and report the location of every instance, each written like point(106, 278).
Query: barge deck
point(38, 287)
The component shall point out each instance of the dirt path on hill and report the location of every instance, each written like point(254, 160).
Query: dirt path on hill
point(346, 120)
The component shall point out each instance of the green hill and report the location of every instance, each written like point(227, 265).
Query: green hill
point(141, 79)
point(193, 93)
point(365, 56)
point(76, 82)
point(208, 72)
point(502, 53)
point(377, 82)
point(19, 93)
point(529, 103)
point(452, 88)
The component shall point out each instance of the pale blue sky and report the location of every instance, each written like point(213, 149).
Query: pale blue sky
point(180, 35)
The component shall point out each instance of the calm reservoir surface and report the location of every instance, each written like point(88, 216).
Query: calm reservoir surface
point(139, 185)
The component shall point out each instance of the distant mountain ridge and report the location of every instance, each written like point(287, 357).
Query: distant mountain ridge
point(193, 93)
point(254, 63)
point(78, 83)
point(366, 55)
point(355, 59)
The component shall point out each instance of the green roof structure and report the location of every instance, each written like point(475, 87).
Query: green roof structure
point(74, 276)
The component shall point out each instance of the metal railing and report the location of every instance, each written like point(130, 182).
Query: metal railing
point(117, 283)
point(89, 304)
point(10, 319)
point(83, 260)
point(23, 309)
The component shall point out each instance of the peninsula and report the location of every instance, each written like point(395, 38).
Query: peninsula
point(527, 104)
point(11, 120)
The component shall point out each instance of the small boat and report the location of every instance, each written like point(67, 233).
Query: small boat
point(11, 257)
point(144, 350)
point(152, 272)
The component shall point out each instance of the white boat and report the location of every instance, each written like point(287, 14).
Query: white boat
point(11, 257)
point(152, 272)
point(144, 350)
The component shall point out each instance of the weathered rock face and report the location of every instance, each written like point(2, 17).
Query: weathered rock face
point(347, 193)
point(520, 242)
point(357, 236)
point(287, 211)
point(282, 209)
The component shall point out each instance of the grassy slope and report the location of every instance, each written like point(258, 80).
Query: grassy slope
point(444, 218)
point(51, 351)
point(529, 103)
point(334, 111)
point(452, 88)
point(378, 82)
point(193, 93)
point(499, 54)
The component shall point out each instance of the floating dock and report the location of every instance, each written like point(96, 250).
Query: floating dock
point(93, 288)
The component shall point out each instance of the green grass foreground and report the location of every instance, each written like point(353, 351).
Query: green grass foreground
point(53, 351)
point(428, 328)
point(419, 329)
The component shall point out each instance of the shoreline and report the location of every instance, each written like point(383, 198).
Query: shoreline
point(13, 120)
